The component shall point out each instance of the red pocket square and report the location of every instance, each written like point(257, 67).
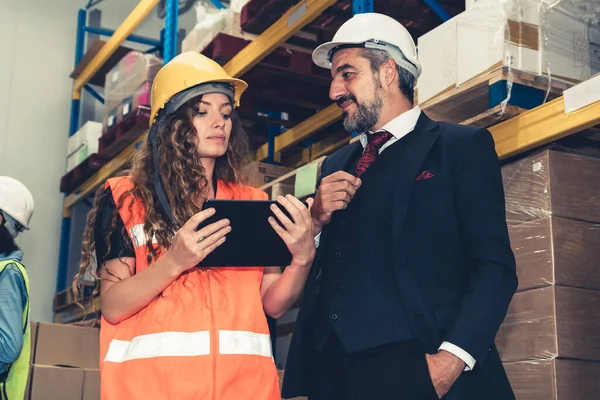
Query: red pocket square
point(424, 175)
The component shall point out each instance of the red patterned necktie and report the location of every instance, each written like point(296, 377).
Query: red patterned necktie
point(376, 140)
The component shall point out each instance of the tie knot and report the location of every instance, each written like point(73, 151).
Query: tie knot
point(378, 138)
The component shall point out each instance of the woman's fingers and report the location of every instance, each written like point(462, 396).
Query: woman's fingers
point(283, 234)
point(285, 221)
point(212, 228)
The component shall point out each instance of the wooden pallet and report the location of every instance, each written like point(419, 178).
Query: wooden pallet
point(66, 298)
point(76, 313)
point(478, 102)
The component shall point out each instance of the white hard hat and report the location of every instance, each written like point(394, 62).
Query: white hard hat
point(373, 31)
point(15, 200)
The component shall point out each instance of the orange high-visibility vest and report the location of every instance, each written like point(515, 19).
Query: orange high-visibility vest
point(205, 337)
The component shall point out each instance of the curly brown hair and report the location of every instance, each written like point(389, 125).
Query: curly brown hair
point(185, 184)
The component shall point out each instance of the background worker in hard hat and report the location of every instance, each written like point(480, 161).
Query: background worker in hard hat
point(16, 209)
point(170, 330)
point(414, 271)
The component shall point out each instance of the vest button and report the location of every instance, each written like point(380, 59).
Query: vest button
point(338, 254)
point(338, 286)
point(334, 316)
point(342, 223)
point(310, 304)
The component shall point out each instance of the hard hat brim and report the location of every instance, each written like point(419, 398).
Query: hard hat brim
point(179, 99)
point(320, 55)
point(19, 220)
point(199, 90)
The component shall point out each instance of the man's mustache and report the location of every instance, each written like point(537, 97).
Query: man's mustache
point(346, 98)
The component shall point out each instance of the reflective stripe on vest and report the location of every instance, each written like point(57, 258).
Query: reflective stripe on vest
point(183, 344)
point(16, 380)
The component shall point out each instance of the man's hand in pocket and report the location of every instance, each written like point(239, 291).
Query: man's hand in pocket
point(444, 368)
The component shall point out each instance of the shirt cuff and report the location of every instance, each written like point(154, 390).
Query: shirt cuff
point(317, 239)
point(460, 353)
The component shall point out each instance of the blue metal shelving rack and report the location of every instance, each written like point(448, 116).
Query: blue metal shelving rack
point(168, 43)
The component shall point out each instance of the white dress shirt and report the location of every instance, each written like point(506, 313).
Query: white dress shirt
point(399, 127)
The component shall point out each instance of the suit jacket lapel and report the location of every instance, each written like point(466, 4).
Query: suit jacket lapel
point(411, 157)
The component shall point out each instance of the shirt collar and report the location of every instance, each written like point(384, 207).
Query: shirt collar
point(14, 256)
point(399, 127)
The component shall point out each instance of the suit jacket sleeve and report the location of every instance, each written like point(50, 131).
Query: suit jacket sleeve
point(480, 203)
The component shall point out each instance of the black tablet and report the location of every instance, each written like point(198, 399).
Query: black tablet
point(252, 240)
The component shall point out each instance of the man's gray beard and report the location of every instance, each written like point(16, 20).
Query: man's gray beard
point(366, 116)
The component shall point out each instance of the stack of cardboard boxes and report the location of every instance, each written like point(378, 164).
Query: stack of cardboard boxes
point(211, 21)
point(127, 87)
point(258, 174)
point(550, 339)
point(528, 35)
point(64, 363)
point(83, 144)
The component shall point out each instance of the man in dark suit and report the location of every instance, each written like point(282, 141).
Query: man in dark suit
point(414, 271)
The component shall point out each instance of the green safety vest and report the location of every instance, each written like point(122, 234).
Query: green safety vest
point(15, 382)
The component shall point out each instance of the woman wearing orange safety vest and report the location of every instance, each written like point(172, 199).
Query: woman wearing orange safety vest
point(170, 330)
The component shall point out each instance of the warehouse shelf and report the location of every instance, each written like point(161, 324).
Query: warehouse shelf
point(302, 131)
point(98, 78)
point(291, 22)
point(285, 27)
point(116, 164)
point(468, 105)
point(253, 53)
point(139, 13)
point(76, 312)
point(542, 125)
point(522, 130)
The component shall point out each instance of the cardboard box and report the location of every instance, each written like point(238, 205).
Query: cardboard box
point(281, 189)
point(56, 383)
point(437, 54)
point(212, 21)
point(556, 251)
point(259, 173)
point(33, 337)
point(124, 80)
point(551, 322)
point(67, 345)
point(554, 379)
point(83, 143)
point(139, 98)
point(552, 183)
point(91, 385)
point(519, 34)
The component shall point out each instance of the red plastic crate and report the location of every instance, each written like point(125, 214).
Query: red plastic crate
point(224, 47)
point(72, 179)
point(258, 15)
point(128, 130)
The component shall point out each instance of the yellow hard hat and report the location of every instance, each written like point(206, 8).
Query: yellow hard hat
point(189, 75)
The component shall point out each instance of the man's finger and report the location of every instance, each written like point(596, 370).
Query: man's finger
point(334, 206)
point(342, 176)
point(340, 186)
